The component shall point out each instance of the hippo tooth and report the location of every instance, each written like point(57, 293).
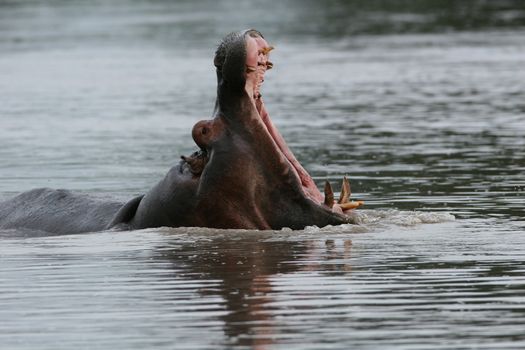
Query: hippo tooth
point(328, 195)
point(351, 205)
point(345, 191)
point(266, 50)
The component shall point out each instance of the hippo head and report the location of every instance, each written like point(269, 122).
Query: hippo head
point(246, 176)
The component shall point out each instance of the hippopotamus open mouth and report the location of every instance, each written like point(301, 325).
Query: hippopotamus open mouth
point(247, 176)
point(257, 63)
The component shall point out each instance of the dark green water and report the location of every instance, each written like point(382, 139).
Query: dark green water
point(420, 103)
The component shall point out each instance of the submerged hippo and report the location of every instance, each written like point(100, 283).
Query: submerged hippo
point(243, 175)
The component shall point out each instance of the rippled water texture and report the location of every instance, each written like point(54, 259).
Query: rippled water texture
point(422, 106)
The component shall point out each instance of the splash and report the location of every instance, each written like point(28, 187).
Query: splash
point(401, 218)
point(371, 220)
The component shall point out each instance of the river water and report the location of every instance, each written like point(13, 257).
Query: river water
point(422, 108)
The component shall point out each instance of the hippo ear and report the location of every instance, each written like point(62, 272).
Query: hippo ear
point(230, 60)
point(126, 213)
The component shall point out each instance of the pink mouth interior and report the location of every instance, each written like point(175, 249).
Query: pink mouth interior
point(257, 62)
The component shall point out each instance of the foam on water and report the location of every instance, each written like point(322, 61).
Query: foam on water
point(374, 220)
point(401, 217)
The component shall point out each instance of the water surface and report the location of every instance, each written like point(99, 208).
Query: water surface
point(423, 110)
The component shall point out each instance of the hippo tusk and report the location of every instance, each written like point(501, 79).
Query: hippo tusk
point(345, 192)
point(351, 205)
point(328, 195)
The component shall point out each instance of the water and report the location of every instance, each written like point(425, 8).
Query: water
point(423, 111)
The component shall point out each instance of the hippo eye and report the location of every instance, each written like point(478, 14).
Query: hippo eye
point(204, 131)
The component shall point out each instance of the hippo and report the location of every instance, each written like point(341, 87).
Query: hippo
point(243, 175)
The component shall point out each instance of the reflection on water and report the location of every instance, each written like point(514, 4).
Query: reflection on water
point(243, 269)
point(442, 287)
point(427, 119)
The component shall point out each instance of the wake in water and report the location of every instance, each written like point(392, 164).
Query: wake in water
point(371, 220)
point(365, 221)
point(401, 218)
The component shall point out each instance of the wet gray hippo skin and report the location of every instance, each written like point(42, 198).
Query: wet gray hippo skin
point(243, 176)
